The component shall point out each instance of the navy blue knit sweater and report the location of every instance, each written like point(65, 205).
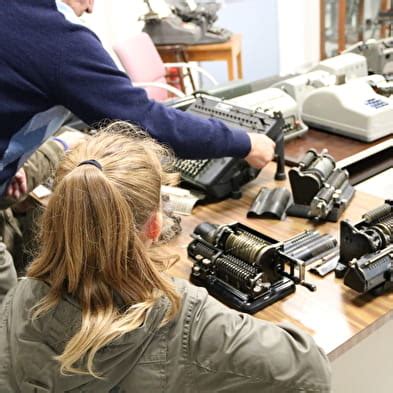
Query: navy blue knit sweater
point(47, 61)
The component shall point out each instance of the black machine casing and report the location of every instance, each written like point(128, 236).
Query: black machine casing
point(371, 272)
point(246, 284)
point(185, 25)
point(223, 177)
point(204, 15)
point(171, 29)
point(366, 250)
point(320, 190)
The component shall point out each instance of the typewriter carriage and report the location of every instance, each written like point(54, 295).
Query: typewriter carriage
point(223, 177)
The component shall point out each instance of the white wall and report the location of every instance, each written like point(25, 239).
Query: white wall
point(283, 38)
point(256, 20)
point(116, 19)
point(367, 367)
point(298, 34)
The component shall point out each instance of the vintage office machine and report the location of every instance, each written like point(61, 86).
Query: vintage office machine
point(203, 15)
point(338, 96)
point(300, 86)
point(171, 29)
point(353, 109)
point(379, 55)
point(378, 82)
point(320, 189)
point(383, 88)
point(333, 71)
point(366, 251)
point(274, 100)
point(223, 177)
point(187, 24)
point(344, 67)
point(381, 85)
point(248, 270)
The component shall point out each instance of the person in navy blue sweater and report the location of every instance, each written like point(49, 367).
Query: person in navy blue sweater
point(51, 65)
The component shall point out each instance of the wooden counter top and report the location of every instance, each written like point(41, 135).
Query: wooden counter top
point(339, 146)
point(336, 316)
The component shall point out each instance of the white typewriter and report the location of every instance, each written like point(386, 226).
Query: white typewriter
point(379, 54)
point(333, 71)
point(275, 100)
point(338, 96)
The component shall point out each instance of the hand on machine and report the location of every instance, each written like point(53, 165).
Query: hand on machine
point(262, 150)
point(223, 177)
point(273, 100)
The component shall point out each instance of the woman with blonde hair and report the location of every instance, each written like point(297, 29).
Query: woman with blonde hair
point(96, 313)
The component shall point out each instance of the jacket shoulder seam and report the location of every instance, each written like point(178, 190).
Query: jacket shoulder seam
point(189, 317)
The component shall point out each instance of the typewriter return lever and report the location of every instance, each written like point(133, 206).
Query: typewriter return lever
point(278, 137)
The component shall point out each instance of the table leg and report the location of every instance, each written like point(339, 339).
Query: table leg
point(230, 64)
point(239, 62)
point(184, 59)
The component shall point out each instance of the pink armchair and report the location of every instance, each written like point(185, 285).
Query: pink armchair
point(143, 64)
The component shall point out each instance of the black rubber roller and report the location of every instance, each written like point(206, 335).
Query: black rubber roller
point(206, 231)
point(310, 156)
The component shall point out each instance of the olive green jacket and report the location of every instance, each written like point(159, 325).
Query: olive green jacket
point(7, 273)
point(206, 348)
point(41, 165)
point(15, 230)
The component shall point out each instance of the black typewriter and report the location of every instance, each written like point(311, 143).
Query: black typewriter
point(366, 251)
point(245, 269)
point(223, 177)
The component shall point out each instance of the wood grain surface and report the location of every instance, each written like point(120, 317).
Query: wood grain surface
point(336, 316)
point(339, 146)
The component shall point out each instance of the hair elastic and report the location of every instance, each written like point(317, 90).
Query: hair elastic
point(62, 142)
point(91, 162)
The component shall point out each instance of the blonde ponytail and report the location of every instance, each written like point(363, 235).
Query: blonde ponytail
point(91, 243)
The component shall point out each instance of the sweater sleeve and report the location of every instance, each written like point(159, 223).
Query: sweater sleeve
point(238, 352)
point(92, 87)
